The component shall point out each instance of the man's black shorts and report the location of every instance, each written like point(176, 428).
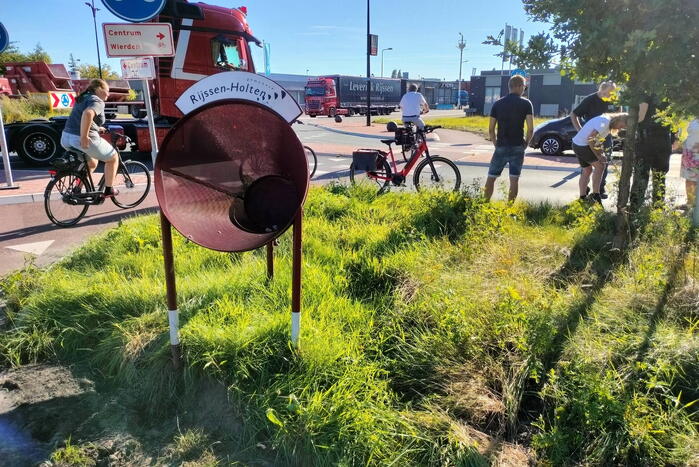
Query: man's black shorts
point(585, 155)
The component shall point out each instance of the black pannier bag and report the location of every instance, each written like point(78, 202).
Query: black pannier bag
point(366, 159)
point(68, 161)
point(405, 137)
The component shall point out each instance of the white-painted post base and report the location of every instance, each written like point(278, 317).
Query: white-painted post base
point(174, 320)
point(295, 328)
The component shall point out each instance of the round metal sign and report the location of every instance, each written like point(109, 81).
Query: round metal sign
point(4, 38)
point(135, 11)
point(231, 176)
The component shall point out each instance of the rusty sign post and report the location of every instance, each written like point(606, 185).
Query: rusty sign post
point(232, 176)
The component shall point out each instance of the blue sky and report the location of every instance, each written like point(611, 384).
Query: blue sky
point(321, 37)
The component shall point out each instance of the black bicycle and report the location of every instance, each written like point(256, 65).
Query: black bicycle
point(71, 190)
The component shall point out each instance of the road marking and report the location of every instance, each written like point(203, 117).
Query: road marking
point(36, 248)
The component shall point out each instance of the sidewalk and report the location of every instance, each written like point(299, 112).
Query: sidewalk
point(31, 186)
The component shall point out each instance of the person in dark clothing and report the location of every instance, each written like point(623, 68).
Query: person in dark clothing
point(653, 153)
point(509, 115)
point(593, 106)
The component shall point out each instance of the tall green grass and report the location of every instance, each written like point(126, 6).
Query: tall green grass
point(27, 108)
point(437, 329)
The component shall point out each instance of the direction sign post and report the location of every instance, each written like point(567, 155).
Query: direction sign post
point(143, 69)
point(10, 184)
point(135, 11)
point(138, 40)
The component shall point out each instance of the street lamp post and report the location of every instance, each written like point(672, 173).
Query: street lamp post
point(368, 64)
point(461, 45)
point(389, 48)
point(94, 21)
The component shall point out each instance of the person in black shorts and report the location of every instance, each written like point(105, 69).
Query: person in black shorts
point(653, 153)
point(509, 115)
point(593, 106)
point(588, 147)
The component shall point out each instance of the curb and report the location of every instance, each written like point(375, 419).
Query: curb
point(525, 166)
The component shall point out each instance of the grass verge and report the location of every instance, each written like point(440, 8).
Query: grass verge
point(437, 330)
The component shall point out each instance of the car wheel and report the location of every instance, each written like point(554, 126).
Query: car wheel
point(551, 145)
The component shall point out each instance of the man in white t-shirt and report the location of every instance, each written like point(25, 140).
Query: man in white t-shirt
point(412, 104)
point(588, 146)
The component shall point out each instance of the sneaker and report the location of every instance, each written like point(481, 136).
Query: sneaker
point(595, 197)
point(114, 193)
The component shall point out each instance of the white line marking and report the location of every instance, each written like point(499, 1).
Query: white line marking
point(36, 248)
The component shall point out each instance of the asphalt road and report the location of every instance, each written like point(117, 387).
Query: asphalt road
point(27, 235)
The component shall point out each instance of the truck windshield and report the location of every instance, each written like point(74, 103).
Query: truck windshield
point(315, 91)
point(227, 53)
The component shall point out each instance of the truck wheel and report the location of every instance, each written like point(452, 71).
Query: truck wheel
point(350, 112)
point(37, 145)
point(331, 112)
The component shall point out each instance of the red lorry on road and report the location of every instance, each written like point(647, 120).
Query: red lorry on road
point(346, 95)
point(208, 39)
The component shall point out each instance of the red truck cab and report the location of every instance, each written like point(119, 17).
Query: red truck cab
point(321, 98)
point(209, 39)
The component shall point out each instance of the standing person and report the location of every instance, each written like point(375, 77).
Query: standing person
point(509, 115)
point(690, 162)
point(82, 132)
point(588, 146)
point(412, 104)
point(593, 106)
point(653, 153)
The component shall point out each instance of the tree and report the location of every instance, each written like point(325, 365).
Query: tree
point(539, 52)
point(646, 45)
point(12, 54)
point(91, 71)
point(39, 55)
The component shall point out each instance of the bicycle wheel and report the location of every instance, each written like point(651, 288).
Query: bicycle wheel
point(369, 179)
point(445, 176)
point(59, 199)
point(133, 182)
point(312, 161)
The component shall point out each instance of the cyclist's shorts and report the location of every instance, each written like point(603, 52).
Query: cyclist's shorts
point(416, 120)
point(99, 149)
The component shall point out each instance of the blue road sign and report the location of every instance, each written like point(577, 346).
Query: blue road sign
point(4, 38)
point(135, 11)
point(519, 72)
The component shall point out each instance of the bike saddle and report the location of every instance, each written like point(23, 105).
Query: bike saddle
point(388, 141)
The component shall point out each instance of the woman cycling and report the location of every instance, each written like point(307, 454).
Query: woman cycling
point(82, 132)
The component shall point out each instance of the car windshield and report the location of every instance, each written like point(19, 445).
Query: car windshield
point(315, 91)
point(227, 53)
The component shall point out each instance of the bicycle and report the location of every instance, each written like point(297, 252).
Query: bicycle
point(310, 156)
point(71, 190)
point(432, 172)
point(312, 161)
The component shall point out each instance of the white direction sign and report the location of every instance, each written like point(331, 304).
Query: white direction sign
point(138, 39)
point(137, 68)
point(239, 85)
